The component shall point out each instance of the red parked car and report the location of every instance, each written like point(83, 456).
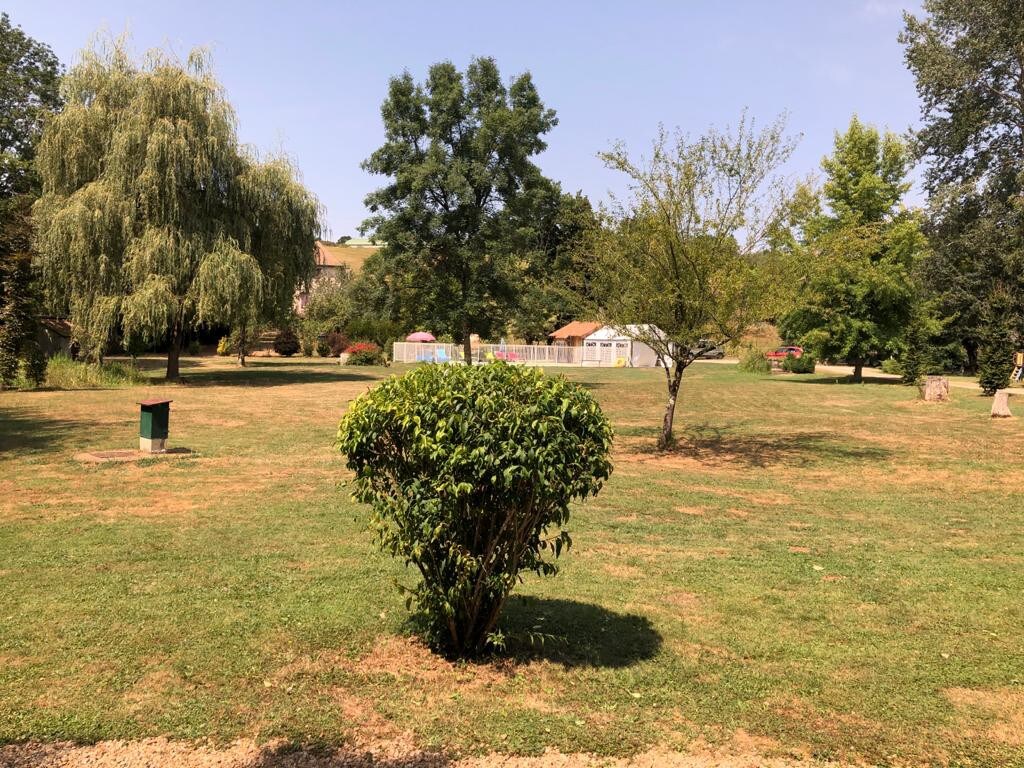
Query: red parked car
point(783, 352)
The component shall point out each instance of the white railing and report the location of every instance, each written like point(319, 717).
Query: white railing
point(530, 354)
point(429, 352)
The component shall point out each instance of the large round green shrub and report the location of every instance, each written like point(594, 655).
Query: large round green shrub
point(286, 343)
point(803, 364)
point(467, 468)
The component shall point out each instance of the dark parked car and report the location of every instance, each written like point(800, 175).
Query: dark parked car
point(706, 350)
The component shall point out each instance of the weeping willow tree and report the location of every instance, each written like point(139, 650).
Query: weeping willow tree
point(152, 214)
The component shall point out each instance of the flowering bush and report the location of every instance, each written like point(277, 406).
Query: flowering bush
point(365, 353)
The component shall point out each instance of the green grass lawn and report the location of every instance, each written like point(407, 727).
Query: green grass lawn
point(822, 569)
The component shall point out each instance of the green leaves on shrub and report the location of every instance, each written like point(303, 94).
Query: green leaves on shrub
point(466, 469)
point(803, 364)
point(286, 343)
point(752, 360)
point(64, 373)
point(996, 343)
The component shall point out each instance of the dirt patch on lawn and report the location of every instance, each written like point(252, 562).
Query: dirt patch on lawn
point(832, 726)
point(694, 511)
point(918, 477)
point(685, 606)
point(371, 732)
point(687, 603)
point(157, 753)
point(406, 657)
point(152, 690)
point(765, 498)
point(408, 660)
point(648, 458)
point(622, 571)
point(1003, 705)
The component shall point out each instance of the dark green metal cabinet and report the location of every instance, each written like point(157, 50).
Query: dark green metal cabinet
point(154, 419)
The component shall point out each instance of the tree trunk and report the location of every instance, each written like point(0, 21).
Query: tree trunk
point(242, 344)
point(174, 353)
point(858, 371)
point(1001, 405)
point(971, 348)
point(667, 439)
point(467, 346)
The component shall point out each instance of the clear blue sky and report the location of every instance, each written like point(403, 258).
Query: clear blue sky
point(308, 77)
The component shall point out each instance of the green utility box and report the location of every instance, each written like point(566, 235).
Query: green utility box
point(153, 421)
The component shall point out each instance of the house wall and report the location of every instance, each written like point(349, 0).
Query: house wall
point(323, 272)
point(571, 341)
point(607, 352)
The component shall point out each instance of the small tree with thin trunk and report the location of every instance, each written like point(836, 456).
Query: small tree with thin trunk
point(685, 263)
point(153, 216)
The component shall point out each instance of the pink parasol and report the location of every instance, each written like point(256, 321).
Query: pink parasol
point(420, 336)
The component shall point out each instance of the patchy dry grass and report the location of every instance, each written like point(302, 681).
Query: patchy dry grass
point(821, 570)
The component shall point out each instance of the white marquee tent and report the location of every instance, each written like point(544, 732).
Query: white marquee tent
point(608, 346)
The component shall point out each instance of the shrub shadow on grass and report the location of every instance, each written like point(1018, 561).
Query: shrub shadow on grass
point(24, 430)
point(720, 445)
point(315, 756)
point(273, 755)
point(797, 378)
point(575, 634)
point(257, 372)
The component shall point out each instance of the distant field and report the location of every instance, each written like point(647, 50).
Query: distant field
point(351, 256)
point(823, 570)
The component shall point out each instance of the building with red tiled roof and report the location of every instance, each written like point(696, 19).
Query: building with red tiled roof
point(573, 334)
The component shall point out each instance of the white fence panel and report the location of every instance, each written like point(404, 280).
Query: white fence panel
point(530, 354)
point(420, 352)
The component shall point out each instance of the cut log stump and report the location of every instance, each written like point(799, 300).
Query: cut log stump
point(1001, 405)
point(935, 389)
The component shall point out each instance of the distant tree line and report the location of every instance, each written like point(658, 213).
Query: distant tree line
point(129, 207)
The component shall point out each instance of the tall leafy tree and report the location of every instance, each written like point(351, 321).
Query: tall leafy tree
point(29, 93)
point(687, 262)
point(29, 77)
point(458, 153)
point(859, 293)
point(995, 337)
point(18, 297)
point(968, 60)
point(153, 216)
point(548, 228)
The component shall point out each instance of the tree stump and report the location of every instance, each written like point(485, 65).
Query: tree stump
point(1001, 405)
point(935, 389)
